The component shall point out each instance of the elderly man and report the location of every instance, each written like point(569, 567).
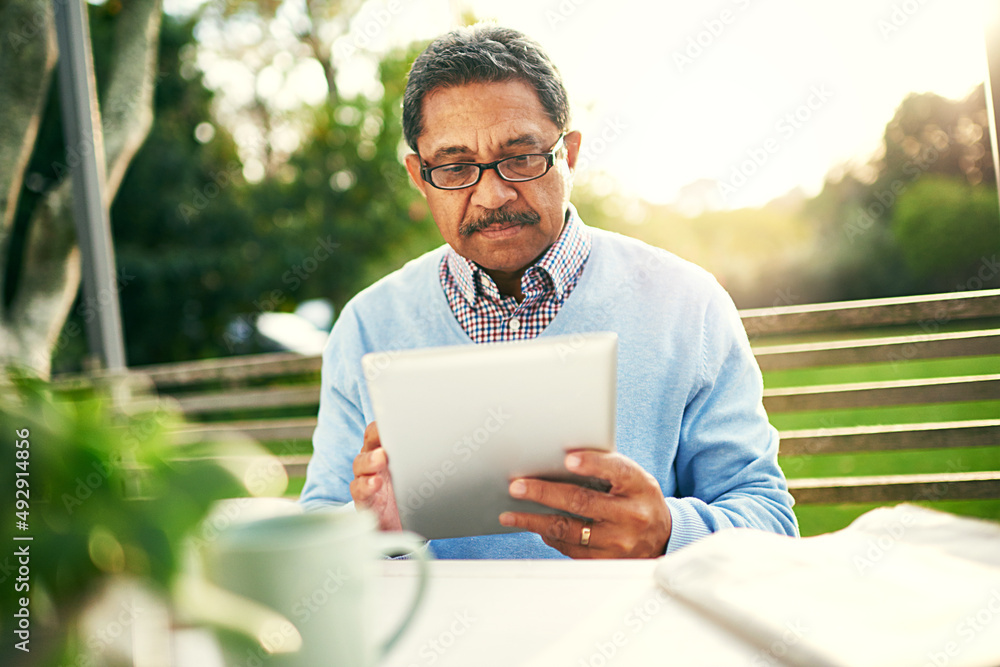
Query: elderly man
point(487, 117)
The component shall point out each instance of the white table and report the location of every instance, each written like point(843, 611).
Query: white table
point(901, 586)
point(548, 613)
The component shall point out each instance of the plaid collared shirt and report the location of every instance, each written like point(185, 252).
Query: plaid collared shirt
point(488, 317)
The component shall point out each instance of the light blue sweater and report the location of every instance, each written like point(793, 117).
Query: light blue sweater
point(689, 405)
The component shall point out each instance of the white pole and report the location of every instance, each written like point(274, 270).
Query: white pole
point(992, 34)
point(85, 155)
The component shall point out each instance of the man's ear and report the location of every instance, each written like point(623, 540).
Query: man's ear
point(413, 169)
point(572, 142)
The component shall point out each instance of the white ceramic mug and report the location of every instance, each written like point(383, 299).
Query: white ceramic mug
point(306, 579)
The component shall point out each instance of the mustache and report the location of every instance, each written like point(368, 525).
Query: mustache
point(499, 217)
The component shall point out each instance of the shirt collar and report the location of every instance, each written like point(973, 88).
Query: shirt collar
point(561, 262)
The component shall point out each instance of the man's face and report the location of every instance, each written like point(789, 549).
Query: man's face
point(502, 226)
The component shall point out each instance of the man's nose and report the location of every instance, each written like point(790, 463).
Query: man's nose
point(492, 191)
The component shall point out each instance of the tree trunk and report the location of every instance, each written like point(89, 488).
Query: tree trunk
point(50, 275)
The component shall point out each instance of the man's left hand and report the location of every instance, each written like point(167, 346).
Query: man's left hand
point(631, 520)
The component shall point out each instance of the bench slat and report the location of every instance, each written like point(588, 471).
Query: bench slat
point(896, 488)
point(871, 313)
point(880, 394)
point(242, 399)
point(264, 430)
point(935, 435)
point(232, 369)
point(876, 350)
point(226, 370)
point(295, 466)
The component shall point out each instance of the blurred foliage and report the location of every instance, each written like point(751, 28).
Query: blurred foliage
point(864, 250)
point(920, 218)
point(199, 248)
point(106, 496)
point(730, 244)
point(944, 227)
point(936, 135)
point(202, 252)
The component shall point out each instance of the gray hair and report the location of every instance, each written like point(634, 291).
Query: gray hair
point(482, 53)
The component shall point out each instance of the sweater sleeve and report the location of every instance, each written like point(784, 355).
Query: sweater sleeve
point(340, 424)
point(727, 459)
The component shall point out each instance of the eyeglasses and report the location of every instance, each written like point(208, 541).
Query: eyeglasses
point(516, 169)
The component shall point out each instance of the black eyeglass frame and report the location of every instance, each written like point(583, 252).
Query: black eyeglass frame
point(550, 160)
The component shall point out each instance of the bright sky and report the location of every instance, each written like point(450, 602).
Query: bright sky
point(670, 94)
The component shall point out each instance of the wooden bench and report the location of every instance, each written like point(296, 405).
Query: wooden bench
point(273, 398)
point(883, 336)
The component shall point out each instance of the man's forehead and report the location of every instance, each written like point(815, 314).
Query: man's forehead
point(482, 142)
point(480, 117)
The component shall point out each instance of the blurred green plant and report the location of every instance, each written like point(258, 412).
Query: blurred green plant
point(108, 495)
point(948, 235)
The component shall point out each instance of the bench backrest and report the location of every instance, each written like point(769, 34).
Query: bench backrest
point(843, 379)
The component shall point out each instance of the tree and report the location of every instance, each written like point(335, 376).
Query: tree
point(204, 253)
point(181, 223)
point(865, 248)
point(948, 234)
point(275, 39)
point(39, 258)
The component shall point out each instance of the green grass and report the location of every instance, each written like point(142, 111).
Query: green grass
point(966, 459)
point(903, 414)
point(816, 519)
point(819, 519)
point(295, 485)
point(291, 447)
point(903, 370)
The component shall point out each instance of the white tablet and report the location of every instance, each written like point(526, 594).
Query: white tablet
point(458, 423)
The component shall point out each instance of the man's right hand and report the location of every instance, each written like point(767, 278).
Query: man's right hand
point(372, 485)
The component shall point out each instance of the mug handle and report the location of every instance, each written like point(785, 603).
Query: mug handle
point(395, 542)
